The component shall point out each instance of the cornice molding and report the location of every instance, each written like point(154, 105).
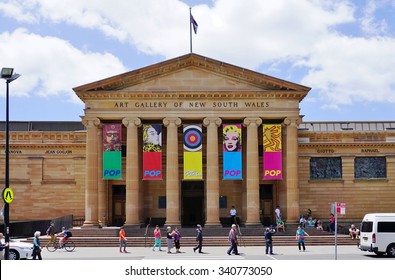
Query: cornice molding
point(165, 95)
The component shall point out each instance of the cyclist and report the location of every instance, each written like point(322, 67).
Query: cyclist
point(66, 234)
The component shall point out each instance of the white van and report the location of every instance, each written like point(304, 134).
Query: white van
point(378, 233)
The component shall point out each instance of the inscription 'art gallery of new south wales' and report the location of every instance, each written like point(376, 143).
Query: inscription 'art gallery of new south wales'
point(184, 140)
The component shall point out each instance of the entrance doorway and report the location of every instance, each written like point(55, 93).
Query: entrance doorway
point(192, 201)
point(118, 205)
point(266, 203)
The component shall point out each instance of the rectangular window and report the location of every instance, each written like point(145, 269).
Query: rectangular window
point(367, 227)
point(223, 202)
point(161, 202)
point(370, 167)
point(386, 227)
point(325, 168)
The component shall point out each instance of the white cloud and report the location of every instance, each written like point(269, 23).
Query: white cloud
point(249, 33)
point(52, 66)
point(348, 69)
point(370, 25)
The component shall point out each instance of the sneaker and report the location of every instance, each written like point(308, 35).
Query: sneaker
point(194, 250)
point(125, 251)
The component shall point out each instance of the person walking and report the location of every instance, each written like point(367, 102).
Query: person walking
point(158, 238)
point(268, 240)
point(199, 239)
point(2, 246)
point(51, 233)
point(122, 240)
point(300, 233)
point(177, 237)
point(37, 246)
point(169, 239)
point(233, 241)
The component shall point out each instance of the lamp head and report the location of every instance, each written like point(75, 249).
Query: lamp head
point(6, 73)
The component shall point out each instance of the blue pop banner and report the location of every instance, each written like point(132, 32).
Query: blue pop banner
point(232, 153)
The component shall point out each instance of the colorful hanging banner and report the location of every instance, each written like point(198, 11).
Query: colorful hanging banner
point(112, 151)
point(152, 152)
point(272, 152)
point(232, 154)
point(193, 167)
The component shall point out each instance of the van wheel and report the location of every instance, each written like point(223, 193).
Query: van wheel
point(391, 251)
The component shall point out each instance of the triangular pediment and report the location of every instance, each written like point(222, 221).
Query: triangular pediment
point(191, 72)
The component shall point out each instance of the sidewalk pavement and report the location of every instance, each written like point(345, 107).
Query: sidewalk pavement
point(213, 253)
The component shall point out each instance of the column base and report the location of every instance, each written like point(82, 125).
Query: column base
point(90, 224)
point(212, 225)
point(253, 225)
point(172, 225)
point(132, 226)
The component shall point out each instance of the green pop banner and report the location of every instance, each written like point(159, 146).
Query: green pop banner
point(112, 151)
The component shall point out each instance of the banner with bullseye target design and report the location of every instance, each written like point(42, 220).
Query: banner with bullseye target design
point(193, 167)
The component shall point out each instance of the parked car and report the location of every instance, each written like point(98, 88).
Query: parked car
point(20, 250)
point(377, 234)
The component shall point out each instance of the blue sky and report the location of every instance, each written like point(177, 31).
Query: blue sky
point(344, 50)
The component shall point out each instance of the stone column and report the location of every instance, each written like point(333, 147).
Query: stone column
point(133, 203)
point(101, 184)
point(91, 188)
point(252, 185)
point(172, 172)
point(291, 167)
point(212, 187)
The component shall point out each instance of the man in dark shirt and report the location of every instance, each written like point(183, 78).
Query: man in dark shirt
point(199, 239)
point(268, 240)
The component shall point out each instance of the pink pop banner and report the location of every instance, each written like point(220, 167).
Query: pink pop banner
point(272, 152)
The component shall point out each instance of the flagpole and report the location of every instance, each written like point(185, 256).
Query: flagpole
point(190, 29)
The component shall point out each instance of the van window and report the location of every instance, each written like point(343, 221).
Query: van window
point(386, 227)
point(367, 227)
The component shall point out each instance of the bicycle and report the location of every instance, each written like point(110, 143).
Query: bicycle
point(69, 246)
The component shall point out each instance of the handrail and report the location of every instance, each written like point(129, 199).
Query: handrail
point(240, 234)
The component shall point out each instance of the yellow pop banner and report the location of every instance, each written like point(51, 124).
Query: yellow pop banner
point(193, 160)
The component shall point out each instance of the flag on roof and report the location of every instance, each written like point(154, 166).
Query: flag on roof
point(194, 24)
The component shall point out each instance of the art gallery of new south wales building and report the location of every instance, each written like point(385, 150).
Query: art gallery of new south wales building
point(182, 141)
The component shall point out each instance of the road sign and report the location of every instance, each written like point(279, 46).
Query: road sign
point(341, 208)
point(8, 195)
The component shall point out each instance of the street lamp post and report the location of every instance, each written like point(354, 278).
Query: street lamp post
point(7, 74)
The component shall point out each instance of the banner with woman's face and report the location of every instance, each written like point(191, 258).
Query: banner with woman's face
point(232, 152)
point(152, 152)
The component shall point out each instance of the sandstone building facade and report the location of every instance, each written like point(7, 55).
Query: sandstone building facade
point(56, 168)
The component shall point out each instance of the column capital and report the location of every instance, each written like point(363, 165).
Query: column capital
point(252, 121)
point(131, 121)
point(212, 120)
point(293, 121)
point(168, 121)
point(90, 121)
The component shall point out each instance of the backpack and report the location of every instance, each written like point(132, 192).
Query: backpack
point(68, 233)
